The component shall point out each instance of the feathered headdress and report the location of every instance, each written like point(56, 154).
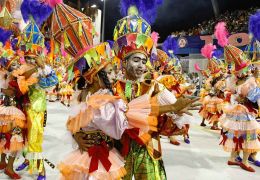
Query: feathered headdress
point(232, 54)
point(221, 34)
point(207, 52)
point(254, 28)
point(132, 33)
point(203, 72)
point(145, 8)
point(39, 10)
point(254, 25)
point(72, 31)
point(4, 35)
point(170, 46)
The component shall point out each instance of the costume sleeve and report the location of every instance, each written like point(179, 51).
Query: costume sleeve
point(250, 90)
point(111, 119)
point(254, 94)
point(106, 112)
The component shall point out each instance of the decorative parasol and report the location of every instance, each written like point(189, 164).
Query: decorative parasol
point(71, 29)
point(32, 38)
point(6, 19)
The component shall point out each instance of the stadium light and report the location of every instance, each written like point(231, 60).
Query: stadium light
point(103, 20)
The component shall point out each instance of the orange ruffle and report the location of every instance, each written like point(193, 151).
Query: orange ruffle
point(16, 146)
point(139, 115)
point(25, 83)
point(82, 119)
point(69, 174)
point(22, 82)
point(9, 127)
point(142, 114)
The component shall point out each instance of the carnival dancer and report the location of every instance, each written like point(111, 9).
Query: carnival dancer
point(204, 91)
point(133, 45)
point(240, 128)
point(33, 78)
point(172, 79)
point(141, 115)
point(212, 100)
point(66, 91)
point(12, 117)
point(95, 122)
point(181, 87)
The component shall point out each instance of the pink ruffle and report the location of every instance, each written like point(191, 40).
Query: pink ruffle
point(139, 114)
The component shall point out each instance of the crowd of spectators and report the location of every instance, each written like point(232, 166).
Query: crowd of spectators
point(237, 21)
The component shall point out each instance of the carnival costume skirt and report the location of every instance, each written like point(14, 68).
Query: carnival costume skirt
point(240, 129)
point(211, 109)
point(77, 166)
point(12, 129)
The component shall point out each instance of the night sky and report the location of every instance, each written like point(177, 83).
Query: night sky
point(177, 14)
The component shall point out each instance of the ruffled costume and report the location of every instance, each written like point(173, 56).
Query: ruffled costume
point(211, 108)
point(102, 114)
point(137, 152)
point(112, 116)
point(66, 90)
point(170, 124)
point(12, 123)
point(35, 107)
point(240, 128)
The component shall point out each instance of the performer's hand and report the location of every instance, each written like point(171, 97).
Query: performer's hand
point(184, 111)
point(8, 92)
point(183, 103)
point(39, 62)
point(179, 105)
point(82, 142)
point(28, 74)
